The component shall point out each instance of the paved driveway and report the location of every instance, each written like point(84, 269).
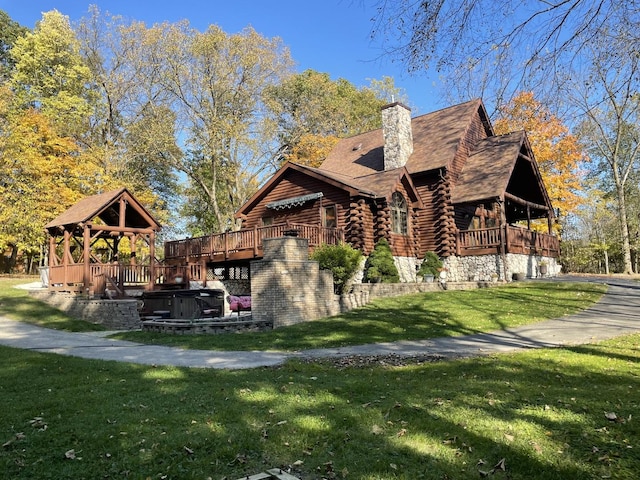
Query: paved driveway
point(617, 313)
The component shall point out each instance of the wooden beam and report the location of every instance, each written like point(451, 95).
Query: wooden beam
point(526, 203)
point(123, 231)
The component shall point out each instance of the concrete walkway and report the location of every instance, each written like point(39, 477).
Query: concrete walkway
point(617, 313)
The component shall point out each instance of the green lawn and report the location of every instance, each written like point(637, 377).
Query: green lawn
point(543, 414)
point(412, 317)
point(16, 303)
point(566, 413)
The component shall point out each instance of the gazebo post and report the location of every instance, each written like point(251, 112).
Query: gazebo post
point(66, 256)
point(152, 259)
point(86, 259)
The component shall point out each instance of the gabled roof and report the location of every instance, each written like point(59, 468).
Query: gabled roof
point(106, 207)
point(436, 139)
point(377, 185)
point(385, 183)
point(488, 169)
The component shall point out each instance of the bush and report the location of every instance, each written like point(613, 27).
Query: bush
point(379, 266)
point(431, 265)
point(343, 260)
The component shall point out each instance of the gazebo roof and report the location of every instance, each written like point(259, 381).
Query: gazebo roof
point(106, 207)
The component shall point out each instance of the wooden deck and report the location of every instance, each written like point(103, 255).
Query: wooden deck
point(246, 244)
point(486, 241)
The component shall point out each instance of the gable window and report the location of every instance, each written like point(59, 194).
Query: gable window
point(398, 214)
point(330, 217)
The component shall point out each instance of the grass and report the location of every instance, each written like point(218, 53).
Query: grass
point(540, 414)
point(411, 317)
point(543, 414)
point(15, 303)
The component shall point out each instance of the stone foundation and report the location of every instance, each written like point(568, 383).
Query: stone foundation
point(487, 268)
point(112, 314)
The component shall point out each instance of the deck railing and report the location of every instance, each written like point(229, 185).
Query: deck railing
point(248, 242)
point(483, 241)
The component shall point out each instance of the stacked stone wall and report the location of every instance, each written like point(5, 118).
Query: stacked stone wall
point(485, 268)
point(121, 314)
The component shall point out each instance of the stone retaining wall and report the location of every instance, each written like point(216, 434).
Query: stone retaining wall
point(112, 314)
point(208, 327)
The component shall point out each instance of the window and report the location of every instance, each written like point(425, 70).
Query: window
point(267, 221)
point(399, 214)
point(330, 217)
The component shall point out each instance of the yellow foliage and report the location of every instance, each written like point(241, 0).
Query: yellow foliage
point(312, 149)
point(43, 174)
point(557, 152)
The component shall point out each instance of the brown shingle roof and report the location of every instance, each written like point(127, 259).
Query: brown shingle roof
point(488, 169)
point(90, 207)
point(436, 137)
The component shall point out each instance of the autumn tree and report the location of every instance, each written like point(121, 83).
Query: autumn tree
point(557, 152)
point(49, 74)
point(129, 137)
point(10, 30)
point(312, 112)
point(43, 173)
point(610, 106)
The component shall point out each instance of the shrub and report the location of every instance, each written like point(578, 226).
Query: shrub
point(379, 266)
point(343, 260)
point(431, 265)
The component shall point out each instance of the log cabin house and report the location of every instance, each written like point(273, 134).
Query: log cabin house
point(441, 182)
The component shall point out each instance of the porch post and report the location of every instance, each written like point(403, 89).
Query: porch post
point(504, 241)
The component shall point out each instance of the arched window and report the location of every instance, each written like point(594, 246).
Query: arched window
point(398, 214)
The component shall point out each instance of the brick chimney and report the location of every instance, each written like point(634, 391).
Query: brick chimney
point(398, 139)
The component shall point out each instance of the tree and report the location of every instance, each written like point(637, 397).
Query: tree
point(9, 32)
point(557, 152)
point(610, 104)
point(312, 112)
point(213, 83)
point(49, 74)
point(42, 174)
point(495, 48)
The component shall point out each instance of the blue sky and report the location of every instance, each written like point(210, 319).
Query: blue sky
point(331, 36)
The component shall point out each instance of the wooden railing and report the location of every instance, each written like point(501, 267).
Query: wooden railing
point(484, 241)
point(248, 242)
point(70, 278)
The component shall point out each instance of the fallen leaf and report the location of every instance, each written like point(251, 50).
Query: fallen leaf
point(297, 463)
point(611, 416)
point(377, 430)
point(188, 450)
point(402, 432)
point(500, 465)
point(509, 437)
point(70, 454)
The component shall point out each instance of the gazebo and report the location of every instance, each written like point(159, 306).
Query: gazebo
point(86, 252)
